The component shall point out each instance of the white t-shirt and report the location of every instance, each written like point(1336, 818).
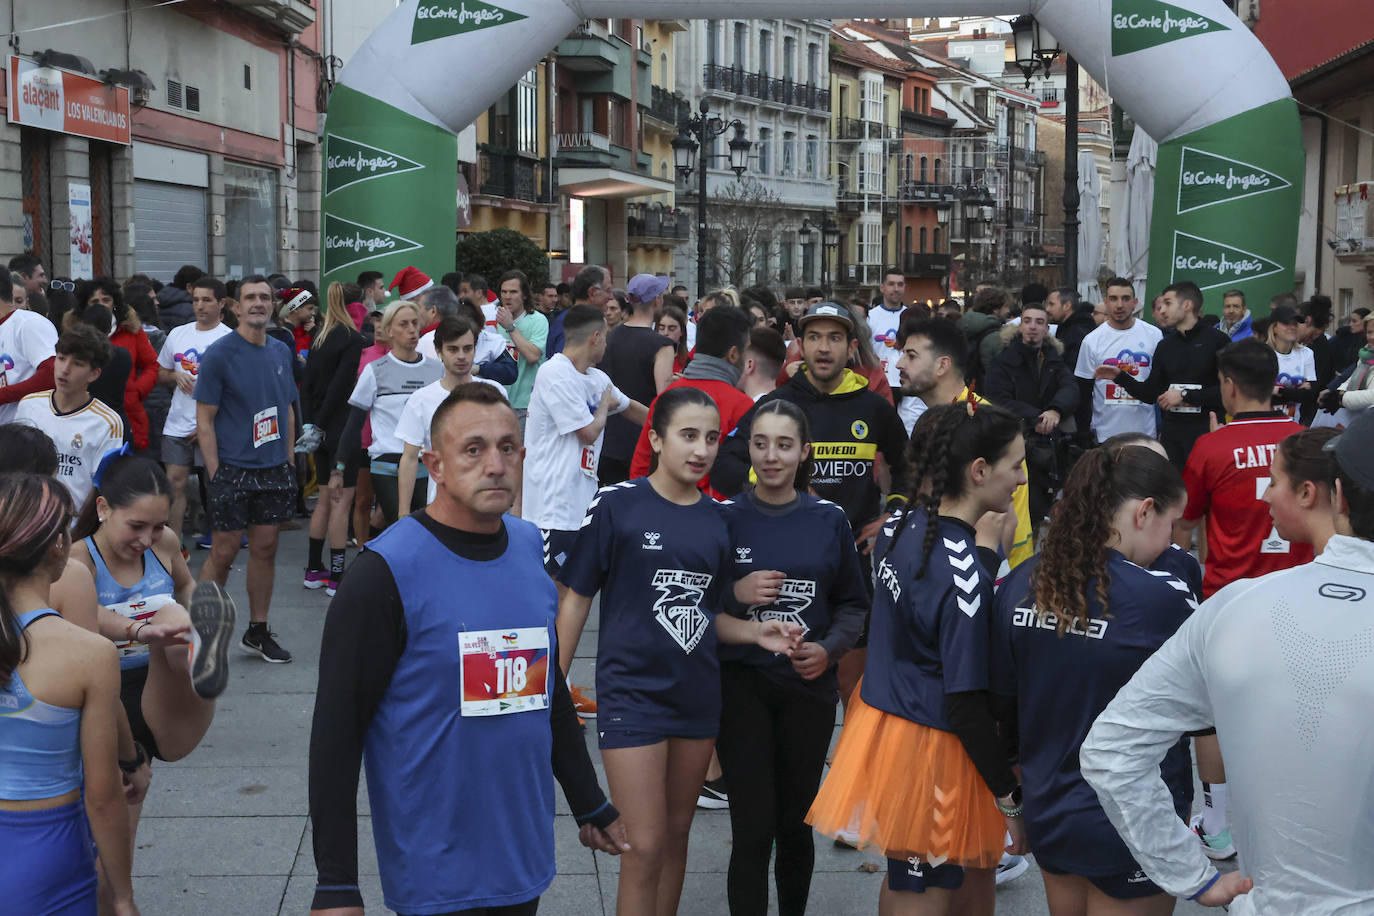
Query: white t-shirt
point(1295, 367)
point(884, 322)
point(183, 349)
point(384, 385)
point(691, 330)
point(26, 339)
point(1132, 351)
point(489, 346)
point(82, 437)
point(909, 409)
point(413, 427)
point(560, 472)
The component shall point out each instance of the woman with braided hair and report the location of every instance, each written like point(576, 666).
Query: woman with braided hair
point(1090, 604)
point(919, 771)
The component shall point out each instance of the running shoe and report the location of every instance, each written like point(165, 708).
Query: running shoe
point(332, 587)
point(1216, 845)
point(212, 622)
point(204, 542)
point(586, 707)
point(846, 839)
point(712, 795)
point(262, 643)
point(1011, 867)
point(317, 578)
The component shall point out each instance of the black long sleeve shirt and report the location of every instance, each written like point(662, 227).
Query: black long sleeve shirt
point(1183, 358)
point(364, 636)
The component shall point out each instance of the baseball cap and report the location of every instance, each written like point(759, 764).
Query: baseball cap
point(831, 310)
point(646, 287)
point(1285, 314)
point(1353, 448)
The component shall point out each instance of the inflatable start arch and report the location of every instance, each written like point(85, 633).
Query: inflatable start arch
point(1227, 185)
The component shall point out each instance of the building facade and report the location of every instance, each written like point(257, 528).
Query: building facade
point(773, 76)
point(201, 145)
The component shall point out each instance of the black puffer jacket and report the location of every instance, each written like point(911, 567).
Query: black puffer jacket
point(1029, 382)
point(174, 308)
point(1071, 332)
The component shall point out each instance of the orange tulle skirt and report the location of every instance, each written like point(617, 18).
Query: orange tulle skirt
point(909, 790)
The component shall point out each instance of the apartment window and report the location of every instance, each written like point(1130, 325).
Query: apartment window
point(712, 42)
point(909, 171)
point(936, 176)
point(923, 240)
point(871, 98)
point(789, 153)
point(527, 111)
point(765, 52)
point(938, 240)
point(871, 242)
point(765, 148)
point(812, 143)
point(925, 164)
point(813, 64)
point(789, 58)
point(808, 271)
point(871, 169)
point(742, 45)
point(906, 240)
point(250, 214)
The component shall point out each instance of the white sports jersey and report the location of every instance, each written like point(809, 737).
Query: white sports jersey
point(418, 414)
point(1132, 351)
point(82, 437)
point(26, 340)
point(184, 347)
point(883, 322)
point(1283, 666)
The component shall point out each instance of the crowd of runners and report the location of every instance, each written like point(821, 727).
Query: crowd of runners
point(1043, 556)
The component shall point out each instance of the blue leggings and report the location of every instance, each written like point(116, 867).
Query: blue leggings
point(47, 862)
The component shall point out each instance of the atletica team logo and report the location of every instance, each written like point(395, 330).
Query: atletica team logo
point(347, 243)
point(793, 599)
point(348, 162)
point(443, 19)
point(1141, 24)
point(678, 609)
point(1210, 264)
point(1206, 179)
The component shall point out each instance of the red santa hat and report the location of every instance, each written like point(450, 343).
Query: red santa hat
point(412, 282)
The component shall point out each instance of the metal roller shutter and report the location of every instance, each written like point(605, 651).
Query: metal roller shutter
point(169, 228)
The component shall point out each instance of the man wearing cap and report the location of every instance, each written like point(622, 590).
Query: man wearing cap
point(850, 426)
point(1280, 665)
point(639, 361)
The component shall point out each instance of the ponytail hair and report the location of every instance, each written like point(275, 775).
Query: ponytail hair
point(1075, 549)
point(946, 440)
point(34, 512)
point(794, 413)
point(122, 480)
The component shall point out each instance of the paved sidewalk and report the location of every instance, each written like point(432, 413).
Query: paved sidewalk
point(225, 831)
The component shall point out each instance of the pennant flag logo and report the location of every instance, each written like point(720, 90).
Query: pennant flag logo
point(1141, 24)
point(1211, 264)
point(347, 243)
point(348, 162)
point(444, 18)
point(1206, 179)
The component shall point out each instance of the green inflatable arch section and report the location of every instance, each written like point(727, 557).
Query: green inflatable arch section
point(1227, 184)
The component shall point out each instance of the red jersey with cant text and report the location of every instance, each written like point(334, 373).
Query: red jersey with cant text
point(1226, 475)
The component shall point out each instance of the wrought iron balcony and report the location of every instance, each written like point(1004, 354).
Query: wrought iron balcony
point(765, 88)
point(925, 265)
point(513, 177)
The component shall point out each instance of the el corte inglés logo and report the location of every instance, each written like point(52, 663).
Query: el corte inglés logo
point(347, 243)
point(1206, 179)
point(348, 162)
point(444, 18)
point(1141, 24)
point(1211, 264)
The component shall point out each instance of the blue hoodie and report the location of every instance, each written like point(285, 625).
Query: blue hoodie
point(1240, 330)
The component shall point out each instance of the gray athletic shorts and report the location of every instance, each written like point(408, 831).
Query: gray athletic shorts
point(182, 451)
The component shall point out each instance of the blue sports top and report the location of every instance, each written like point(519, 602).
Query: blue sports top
point(132, 601)
point(40, 744)
point(1062, 683)
point(659, 568)
point(928, 637)
point(1183, 565)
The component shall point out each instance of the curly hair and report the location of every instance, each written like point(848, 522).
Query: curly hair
point(1076, 547)
point(945, 441)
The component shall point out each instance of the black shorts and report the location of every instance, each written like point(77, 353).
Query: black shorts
point(324, 468)
point(556, 546)
point(1128, 886)
point(131, 682)
point(919, 877)
point(243, 497)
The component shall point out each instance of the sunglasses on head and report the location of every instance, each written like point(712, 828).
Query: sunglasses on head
point(67, 285)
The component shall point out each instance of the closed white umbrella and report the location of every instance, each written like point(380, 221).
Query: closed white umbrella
point(1089, 227)
point(1132, 230)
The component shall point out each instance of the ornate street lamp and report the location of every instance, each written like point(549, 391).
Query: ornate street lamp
point(830, 237)
point(694, 135)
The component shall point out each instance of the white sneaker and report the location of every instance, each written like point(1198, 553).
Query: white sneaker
point(1011, 867)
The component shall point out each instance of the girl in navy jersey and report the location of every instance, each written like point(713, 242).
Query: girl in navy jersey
point(797, 562)
point(1089, 604)
point(919, 771)
point(1174, 559)
point(657, 549)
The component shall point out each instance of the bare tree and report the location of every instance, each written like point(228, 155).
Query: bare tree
point(745, 232)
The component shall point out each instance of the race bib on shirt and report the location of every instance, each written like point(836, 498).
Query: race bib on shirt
point(137, 611)
point(265, 427)
point(588, 462)
point(1184, 387)
point(1117, 396)
point(504, 671)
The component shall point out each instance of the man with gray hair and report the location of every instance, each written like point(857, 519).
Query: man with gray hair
point(591, 286)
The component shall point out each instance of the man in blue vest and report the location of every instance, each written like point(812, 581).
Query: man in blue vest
point(437, 668)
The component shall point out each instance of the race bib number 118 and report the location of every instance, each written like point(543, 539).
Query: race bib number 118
point(504, 671)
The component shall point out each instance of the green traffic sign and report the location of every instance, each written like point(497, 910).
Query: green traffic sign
point(1141, 24)
point(1206, 179)
point(443, 18)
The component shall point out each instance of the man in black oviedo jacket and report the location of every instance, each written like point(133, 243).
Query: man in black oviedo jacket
point(1031, 379)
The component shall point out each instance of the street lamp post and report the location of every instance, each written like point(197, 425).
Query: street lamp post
point(695, 134)
point(830, 237)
